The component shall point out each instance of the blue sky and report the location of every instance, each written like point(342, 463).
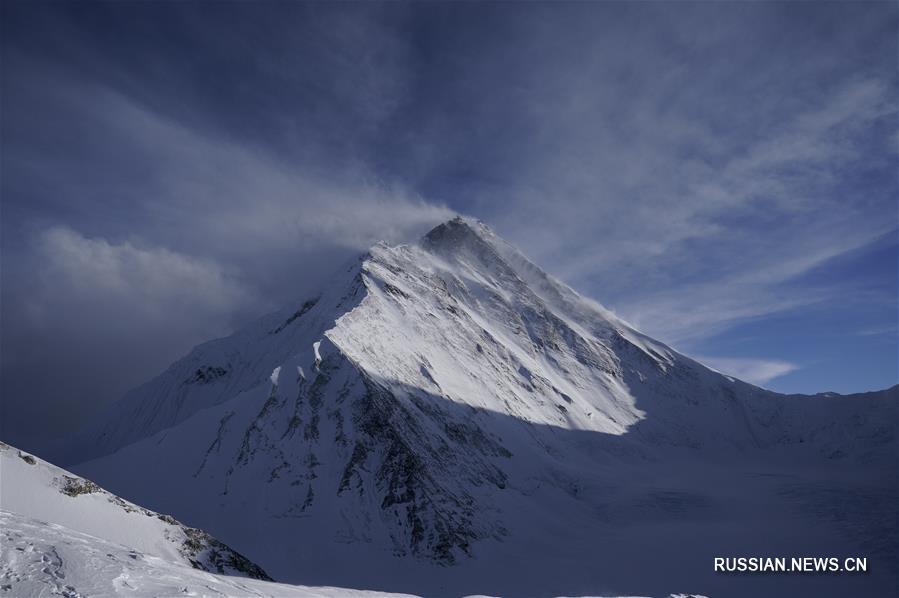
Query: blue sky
point(723, 175)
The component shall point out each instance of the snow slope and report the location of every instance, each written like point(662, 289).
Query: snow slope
point(446, 418)
point(46, 559)
point(33, 488)
point(62, 535)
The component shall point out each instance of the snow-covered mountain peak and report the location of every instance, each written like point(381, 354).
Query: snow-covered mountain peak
point(464, 315)
point(475, 245)
point(457, 235)
point(439, 399)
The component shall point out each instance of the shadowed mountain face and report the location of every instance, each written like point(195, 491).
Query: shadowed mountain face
point(446, 418)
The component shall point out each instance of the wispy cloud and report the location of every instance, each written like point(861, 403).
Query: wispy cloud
point(756, 371)
point(152, 285)
point(203, 192)
point(880, 331)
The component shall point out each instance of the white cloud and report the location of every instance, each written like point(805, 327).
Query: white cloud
point(754, 371)
point(891, 331)
point(152, 285)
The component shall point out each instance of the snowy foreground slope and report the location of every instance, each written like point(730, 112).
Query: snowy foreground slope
point(447, 419)
point(62, 535)
point(46, 559)
point(32, 488)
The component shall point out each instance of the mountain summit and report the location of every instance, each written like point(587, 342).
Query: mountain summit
point(445, 417)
